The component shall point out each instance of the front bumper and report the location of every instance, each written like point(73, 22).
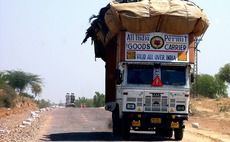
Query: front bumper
point(148, 121)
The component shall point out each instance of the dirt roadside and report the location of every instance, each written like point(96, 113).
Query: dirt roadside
point(212, 117)
point(20, 107)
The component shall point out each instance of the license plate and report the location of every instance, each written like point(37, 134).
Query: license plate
point(136, 123)
point(156, 120)
point(174, 125)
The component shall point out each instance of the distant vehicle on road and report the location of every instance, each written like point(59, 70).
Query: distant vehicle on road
point(70, 100)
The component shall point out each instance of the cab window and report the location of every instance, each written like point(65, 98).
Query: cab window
point(171, 75)
point(140, 74)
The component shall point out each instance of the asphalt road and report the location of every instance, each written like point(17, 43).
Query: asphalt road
point(87, 124)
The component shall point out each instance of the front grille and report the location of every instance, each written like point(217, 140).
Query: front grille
point(180, 102)
point(129, 99)
point(172, 102)
point(138, 101)
point(156, 103)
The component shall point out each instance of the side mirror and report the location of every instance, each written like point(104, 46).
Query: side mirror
point(119, 76)
point(192, 78)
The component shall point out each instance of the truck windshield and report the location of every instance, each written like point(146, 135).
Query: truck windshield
point(144, 74)
point(140, 74)
point(171, 75)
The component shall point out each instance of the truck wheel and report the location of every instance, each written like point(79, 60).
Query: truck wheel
point(116, 122)
point(125, 128)
point(178, 134)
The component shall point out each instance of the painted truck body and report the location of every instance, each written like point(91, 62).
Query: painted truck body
point(148, 79)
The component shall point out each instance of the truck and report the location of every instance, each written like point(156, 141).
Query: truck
point(70, 100)
point(148, 79)
point(148, 69)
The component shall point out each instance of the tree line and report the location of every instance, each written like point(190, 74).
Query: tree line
point(20, 81)
point(97, 101)
point(212, 86)
point(15, 83)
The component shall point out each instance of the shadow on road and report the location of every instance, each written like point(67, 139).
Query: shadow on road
point(101, 136)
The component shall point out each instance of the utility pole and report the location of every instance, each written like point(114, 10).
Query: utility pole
point(195, 69)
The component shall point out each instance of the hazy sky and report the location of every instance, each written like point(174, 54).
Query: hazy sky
point(44, 37)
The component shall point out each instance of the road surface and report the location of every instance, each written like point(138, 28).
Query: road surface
point(94, 124)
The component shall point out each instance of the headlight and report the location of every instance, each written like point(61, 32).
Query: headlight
point(130, 106)
point(180, 107)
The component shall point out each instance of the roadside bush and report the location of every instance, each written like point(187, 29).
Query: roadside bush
point(27, 95)
point(83, 101)
point(2, 99)
point(224, 109)
point(7, 97)
point(43, 103)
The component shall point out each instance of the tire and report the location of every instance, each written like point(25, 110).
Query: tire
point(178, 134)
point(116, 122)
point(125, 133)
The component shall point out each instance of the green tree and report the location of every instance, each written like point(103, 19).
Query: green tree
point(89, 103)
point(224, 73)
point(80, 101)
point(98, 100)
point(209, 86)
point(20, 80)
point(205, 86)
point(2, 79)
point(221, 86)
point(84, 101)
point(43, 103)
point(36, 89)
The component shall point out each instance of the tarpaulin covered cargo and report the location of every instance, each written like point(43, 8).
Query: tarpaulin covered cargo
point(167, 16)
point(146, 16)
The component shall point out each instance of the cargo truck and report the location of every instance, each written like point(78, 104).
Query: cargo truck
point(70, 100)
point(149, 52)
point(148, 79)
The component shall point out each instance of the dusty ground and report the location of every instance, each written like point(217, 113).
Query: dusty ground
point(213, 117)
point(11, 122)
